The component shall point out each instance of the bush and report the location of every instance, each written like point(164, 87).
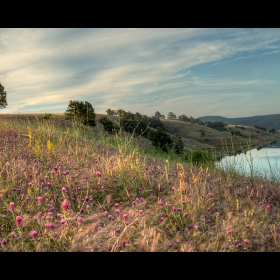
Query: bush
point(200, 157)
point(47, 116)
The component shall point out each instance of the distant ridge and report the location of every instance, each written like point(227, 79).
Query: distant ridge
point(267, 121)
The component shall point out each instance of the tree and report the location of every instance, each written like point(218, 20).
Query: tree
point(108, 125)
point(183, 118)
point(157, 114)
point(178, 145)
point(3, 97)
point(120, 112)
point(135, 124)
point(110, 112)
point(171, 116)
point(80, 111)
point(161, 139)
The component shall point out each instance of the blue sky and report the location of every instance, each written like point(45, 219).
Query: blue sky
point(193, 71)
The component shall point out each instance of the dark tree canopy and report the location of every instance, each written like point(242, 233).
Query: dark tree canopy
point(134, 123)
point(157, 114)
point(81, 111)
point(171, 116)
point(183, 118)
point(161, 140)
point(108, 125)
point(3, 97)
point(178, 145)
point(111, 112)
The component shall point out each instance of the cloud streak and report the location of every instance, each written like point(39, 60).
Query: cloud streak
point(140, 70)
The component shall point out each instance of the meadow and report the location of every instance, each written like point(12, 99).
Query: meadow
point(65, 187)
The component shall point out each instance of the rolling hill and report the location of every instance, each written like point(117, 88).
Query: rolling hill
point(267, 121)
point(194, 136)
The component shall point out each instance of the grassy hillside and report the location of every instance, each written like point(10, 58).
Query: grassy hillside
point(218, 141)
point(267, 121)
point(212, 140)
point(70, 188)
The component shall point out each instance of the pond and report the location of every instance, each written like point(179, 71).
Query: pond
point(263, 161)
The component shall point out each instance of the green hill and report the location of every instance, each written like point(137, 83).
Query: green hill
point(200, 137)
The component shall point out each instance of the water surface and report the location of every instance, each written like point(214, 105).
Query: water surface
point(264, 162)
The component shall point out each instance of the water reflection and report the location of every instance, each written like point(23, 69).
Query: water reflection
point(263, 161)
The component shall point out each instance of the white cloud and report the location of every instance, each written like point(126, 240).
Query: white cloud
point(137, 68)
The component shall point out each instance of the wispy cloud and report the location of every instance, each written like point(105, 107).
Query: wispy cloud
point(142, 70)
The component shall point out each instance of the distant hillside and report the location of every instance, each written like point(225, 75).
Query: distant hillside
point(267, 121)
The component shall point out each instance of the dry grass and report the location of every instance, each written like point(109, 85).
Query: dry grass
point(122, 200)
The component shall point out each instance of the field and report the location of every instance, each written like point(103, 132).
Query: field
point(65, 187)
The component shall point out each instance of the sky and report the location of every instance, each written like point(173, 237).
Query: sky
point(229, 72)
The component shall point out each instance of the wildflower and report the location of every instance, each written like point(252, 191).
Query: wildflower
point(246, 241)
point(63, 190)
point(87, 207)
point(4, 241)
point(141, 212)
point(109, 198)
point(118, 230)
point(110, 217)
point(12, 205)
point(62, 222)
point(127, 223)
point(229, 232)
point(240, 244)
point(117, 211)
point(268, 207)
point(98, 174)
point(65, 205)
point(173, 208)
point(18, 220)
point(196, 227)
point(186, 229)
point(160, 203)
point(116, 205)
point(186, 214)
point(34, 233)
point(125, 216)
point(49, 225)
